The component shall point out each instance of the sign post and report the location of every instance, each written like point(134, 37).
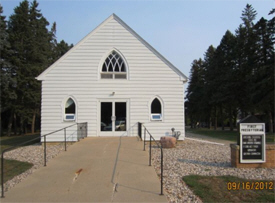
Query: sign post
point(252, 142)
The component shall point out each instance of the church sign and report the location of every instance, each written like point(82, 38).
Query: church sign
point(252, 142)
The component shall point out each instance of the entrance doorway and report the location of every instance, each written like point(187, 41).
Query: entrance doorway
point(113, 118)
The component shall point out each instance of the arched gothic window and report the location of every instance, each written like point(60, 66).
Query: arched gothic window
point(114, 67)
point(70, 110)
point(156, 110)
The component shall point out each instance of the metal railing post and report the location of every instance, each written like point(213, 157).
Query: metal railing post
point(86, 129)
point(144, 139)
point(2, 174)
point(45, 152)
point(150, 152)
point(150, 156)
point(65, 139)
point(161, 171)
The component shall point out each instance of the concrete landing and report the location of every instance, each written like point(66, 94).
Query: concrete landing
point(114, 169)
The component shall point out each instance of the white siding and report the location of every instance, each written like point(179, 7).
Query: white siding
point(77, 75)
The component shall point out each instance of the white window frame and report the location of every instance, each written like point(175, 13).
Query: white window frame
point(69, 119)
point(113, 73)
point(156, 114)
point(69, 114)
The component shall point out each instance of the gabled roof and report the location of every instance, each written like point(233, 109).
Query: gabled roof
point(250, 119)
point(115, 17)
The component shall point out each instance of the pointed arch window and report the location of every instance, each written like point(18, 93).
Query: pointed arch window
point(156, 110)
point(114, 67)
point(70, 110)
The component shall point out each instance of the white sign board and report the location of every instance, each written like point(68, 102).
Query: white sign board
point(252, 142)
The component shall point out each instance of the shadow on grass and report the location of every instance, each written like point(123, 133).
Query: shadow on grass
point(13, 168)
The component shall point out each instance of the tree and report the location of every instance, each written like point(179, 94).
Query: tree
point(263, 92)
point(8, 82)
point(31, 42)
point(39, 56)
point(225, 60)
point(246, 60)
point(195, 92)
point(248, 16)
point(210, 84)
point(237, 78)
point(58, 48)
point(27, 49)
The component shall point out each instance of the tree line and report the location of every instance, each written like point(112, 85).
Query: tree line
point(236, 78)
point(27, 48)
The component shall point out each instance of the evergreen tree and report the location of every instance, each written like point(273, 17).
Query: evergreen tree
point(195, 92)
point(19, 32)
point(61, 48)
point(31, 42)
point(39, 57)
point(8, 82)
point(246, 60)
point(237, 77)
point(210, 85)
point(263, 92)
point(225, 59)
point(248, 16)
point(27, 49)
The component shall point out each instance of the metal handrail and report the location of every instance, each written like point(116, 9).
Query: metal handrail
point(45, 155)
point(150, 156)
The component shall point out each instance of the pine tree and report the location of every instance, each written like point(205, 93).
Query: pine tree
point(246, 60)
point(19, 32)
point(226, 63)
point(195, 92)
point(248, 16)
point(8, 82)
point(31, 42)
point(40, 54)
point(263, 92)
point(61, 48)
point(210, 84)
point(27, 49)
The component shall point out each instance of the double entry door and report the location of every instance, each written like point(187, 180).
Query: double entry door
point(113, 118)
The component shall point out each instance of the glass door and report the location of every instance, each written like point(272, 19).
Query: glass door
point(106, 116)
point(120, 114)
point(113, 117)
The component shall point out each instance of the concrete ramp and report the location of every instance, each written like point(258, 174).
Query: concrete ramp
point(112, 169)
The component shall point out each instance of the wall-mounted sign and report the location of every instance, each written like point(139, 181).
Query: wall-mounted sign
point(252, 142)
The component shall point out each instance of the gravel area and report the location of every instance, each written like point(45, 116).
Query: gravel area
point(33, 154)
point(193, 157)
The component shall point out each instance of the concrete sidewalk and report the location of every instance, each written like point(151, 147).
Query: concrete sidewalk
point(114, 169)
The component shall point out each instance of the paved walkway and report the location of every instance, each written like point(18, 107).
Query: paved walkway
point(110, 170)
point(207, 138)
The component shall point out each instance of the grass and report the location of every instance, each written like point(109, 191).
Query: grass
point(13, 168)
point(225, 134)
point(216, 189)
point(7, 142)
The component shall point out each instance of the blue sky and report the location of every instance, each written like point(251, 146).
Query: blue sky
point(181, 30)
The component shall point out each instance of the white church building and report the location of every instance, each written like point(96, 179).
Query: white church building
point(112, 79)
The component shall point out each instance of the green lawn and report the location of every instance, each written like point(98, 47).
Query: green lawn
point(225, 135)
point(230, 189)
point(13, 168)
